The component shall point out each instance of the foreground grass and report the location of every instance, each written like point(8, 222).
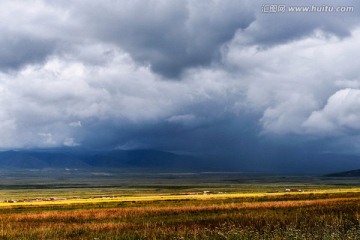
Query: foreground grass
point(325, 215)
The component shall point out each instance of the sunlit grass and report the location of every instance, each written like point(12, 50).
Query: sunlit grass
point(167, 197)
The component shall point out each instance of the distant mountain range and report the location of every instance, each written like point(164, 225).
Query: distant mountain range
point(161, 161)
point(127, 159)
point(352, 173)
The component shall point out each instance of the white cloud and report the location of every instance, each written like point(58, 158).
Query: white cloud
point(187, 120)
point(75, 124)
point(289, 82)
point(340, 115)
point(70, 142)
point(48, 139)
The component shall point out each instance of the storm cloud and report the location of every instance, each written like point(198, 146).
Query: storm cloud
point(191, 76)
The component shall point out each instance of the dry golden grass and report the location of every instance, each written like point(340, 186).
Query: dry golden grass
point(335, 217)
point(166, 197)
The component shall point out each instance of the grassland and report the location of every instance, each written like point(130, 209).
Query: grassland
point(175, 207)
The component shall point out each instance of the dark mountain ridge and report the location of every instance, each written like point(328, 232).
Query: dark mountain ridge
point(134, 159)
point(149, 159)
point(352, 173)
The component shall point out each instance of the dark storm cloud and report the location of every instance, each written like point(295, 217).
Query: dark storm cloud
point(30, 32)
point(271, 29)
point(169, 35)
point(178, 35)
point(17, 51)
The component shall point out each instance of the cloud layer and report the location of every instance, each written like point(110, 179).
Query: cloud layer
point(193, 76)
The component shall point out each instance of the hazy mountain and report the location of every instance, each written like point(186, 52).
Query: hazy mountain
point(145, 159)
point(134, 159)
point(284, 163)
point(352, 173)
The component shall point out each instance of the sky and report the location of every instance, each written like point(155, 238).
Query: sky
point(203, 77)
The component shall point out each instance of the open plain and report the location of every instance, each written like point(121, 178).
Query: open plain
point(120, 205)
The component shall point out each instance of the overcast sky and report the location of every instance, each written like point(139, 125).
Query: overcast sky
point(195, 76)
